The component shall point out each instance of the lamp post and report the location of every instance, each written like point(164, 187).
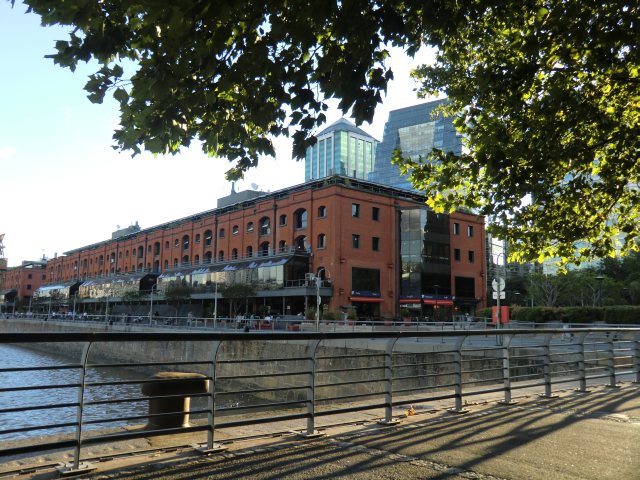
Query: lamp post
point(498, 285)
point(155, 285)
point(318, 299)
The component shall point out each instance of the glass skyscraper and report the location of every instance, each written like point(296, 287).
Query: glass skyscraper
point(341, 149)
point(416, 132)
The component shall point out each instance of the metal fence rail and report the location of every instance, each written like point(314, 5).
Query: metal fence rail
point(291, 378)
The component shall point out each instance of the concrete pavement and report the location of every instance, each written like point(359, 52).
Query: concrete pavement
point(573, 436)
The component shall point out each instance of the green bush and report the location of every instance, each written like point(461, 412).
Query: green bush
point(619, 314)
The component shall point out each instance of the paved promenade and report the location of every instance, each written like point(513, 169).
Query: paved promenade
point(573, 436)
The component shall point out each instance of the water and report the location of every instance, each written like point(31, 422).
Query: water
point(106, 415)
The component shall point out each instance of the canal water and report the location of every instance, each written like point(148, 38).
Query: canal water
point(51, 392)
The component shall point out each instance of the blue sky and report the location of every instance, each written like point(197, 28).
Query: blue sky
point(62, 186)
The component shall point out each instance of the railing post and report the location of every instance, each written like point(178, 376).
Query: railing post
point(611, 364)
point(582, 371)
point(457, 374)
point(388, 380)
point(636, 359)
point(211, 402)
point(311, 392)
point(546, 367)
point(506, 368)
point(76, 466)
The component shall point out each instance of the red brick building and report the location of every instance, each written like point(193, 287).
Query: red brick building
point(20, 283)
point(375, 248)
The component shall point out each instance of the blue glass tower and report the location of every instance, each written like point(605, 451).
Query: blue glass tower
point(341, 149)
point(416, 132)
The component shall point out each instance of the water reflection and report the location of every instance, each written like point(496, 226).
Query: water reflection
point(59, 401)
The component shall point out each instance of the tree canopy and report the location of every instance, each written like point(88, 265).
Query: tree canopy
point(545, 93)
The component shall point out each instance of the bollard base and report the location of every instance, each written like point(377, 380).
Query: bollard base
point(613, 386)
point(510, 402)
point(67, 469)
point(549, 397)
point(579, 390)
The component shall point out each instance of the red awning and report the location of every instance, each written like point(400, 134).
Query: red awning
point(366, 299)
point(444, 303)
point(410, 300)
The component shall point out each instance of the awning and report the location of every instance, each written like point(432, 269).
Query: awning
point(409, 300)
point(444, 303)
point(366, 299)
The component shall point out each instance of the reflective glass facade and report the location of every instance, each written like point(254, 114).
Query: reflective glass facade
point(424, 253)
point(341, 149)
point(416, 132)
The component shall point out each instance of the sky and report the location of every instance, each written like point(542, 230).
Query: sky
point(63, 186)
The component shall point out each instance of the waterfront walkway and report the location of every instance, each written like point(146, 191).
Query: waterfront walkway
point(593, 435)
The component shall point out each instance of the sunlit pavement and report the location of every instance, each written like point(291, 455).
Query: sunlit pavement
point(593, 435)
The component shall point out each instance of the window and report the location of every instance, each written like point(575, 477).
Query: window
point(375, 214)
point(140, 252)
point(156, 248)
point(235, 230)
point(300, 218)
point(375, 244)
point(197, 240)
point(29, 276)
point(322, 211)
point(469, 230)
point(456, 229)
point(176, 243)
point(208, 238)
point(166, 245)
point(249, 251)
point(221, 233)
point(185, 242)
point(282, 246)
point(234, 254)
point(250, 227)
point(321, 241)
point(472, 256)
point(263, 249)
point(185, 260)
point(28, 286)
point(283, 220)
point(207, 257)
point(221, 256)
point(355, 241)
point(355, 209)
point(265, 226)
point(456, 254)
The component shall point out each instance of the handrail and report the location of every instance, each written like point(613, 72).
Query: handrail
point(312, 378)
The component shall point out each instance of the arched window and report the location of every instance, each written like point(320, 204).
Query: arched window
point(166, 245)
point(176, 243)
point(301, 243)
point(234, 254)
point(185, 259)
point(166, 264)
point(207, 257)
point(235, 230)
point(208, 236)
point(282, 246)
point(250, 227)
point(100, 260)
point(264, 249)
point(221, 233)
point(196, 259)
point(322, 211)
point(140, 267)
point(265, 226)
point(197, 239)
point(175, 262)
point(300, 218)
point(185, 242)
point(249, 251)
point(140, 251)
point(283, 220)
point(156, 248)
point(156, 266)
point(321, 241)
point(221, 256)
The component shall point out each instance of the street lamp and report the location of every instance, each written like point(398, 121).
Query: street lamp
point(155, 285)
point(318, 299)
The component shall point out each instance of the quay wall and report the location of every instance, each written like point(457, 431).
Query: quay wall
point(360, 362)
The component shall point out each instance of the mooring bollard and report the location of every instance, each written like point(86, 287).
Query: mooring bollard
point(170, 397)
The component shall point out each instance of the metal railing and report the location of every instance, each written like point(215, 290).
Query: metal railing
point(289, 379)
